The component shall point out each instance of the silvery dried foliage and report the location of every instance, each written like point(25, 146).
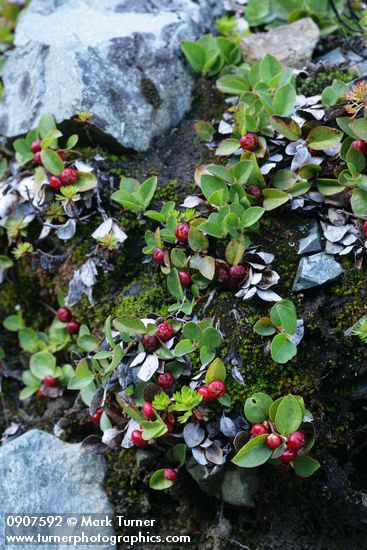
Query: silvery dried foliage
point(260, 277)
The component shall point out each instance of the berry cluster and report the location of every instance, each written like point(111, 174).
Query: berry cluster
point(292, 443)
point(67, 177)
point(231, 276)
point(214, 390)
point(65, 316)
point(163, 334)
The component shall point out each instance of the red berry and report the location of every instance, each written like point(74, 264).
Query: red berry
point(158, 256)
point(149, 342)
point(296, 440)
point(259, 429)
point(165, 380)
point(238, 272)
point(137, 439)
point(73, 327)
point(164, 332)
point(37, 158)
point(64, 314)
point(216, 389)
point(36, 146)
point(148, 411)
point(360, 144)
point(182, 232)
point(50, 381)
point(68, 176)
point(204, 391)
point(273, 441)
point(288, 456)
point(254, 191)
point(169, 426)
point(170, 473)
point(40, 393)
point(249, 142)
point(55, 183)
point(96, 417)
point(221, 272)
point(365, 228)
point(62, 154)
point(185, 278)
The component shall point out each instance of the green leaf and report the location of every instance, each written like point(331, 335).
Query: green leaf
point(178, 453)
point(159, 482)
point(204, 130)
point(269, 68)
point(195, 55)
point(72, 141)
point(197, 239)
point(192, 331)
point(322, 137)
point(85, 182)
point(216, 371)
point(282, 349)
point(254, 453)
point(305, 466)
point(52, 162)
point(129, 325)
point(232, 84)
point(174, 285)
point(46, 124)
point(183, 348)
point(227, 147)
point(252, 215)
point(30, 380)
point(359, 127)
point(42, 364)
point(88, 342)
point(153, 429)
point(210, 338)
point(82, 377)
point(289, 415)
point(287, 127)
point(26, 392)
point(108, 332)
point(359, 202)
point(283, 314)
point(284, 100)
point(24, 153)
point(235, 250)
point(146, 191)
point(206, 267)
point(264, 327)
point(273, 198)
point(329, 187)
point(28, 340)
point(13, 323)
point(5, 262)
point(257, 407)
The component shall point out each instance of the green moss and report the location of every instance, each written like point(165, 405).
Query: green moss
point(167, 192)
point(317, 82)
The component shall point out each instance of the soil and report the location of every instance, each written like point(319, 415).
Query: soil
point(327, 511)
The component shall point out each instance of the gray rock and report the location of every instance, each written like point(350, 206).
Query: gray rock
point(119, 59)
point(42, 474)
point(233, 485)
point(312, 241)
point(292, 45)
point(316, 270)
